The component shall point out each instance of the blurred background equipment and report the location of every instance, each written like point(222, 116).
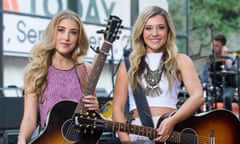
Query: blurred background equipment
point(105, 105)
point(11, 111)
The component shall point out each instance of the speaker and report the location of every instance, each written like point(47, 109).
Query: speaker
point(9, 136)
point(11, 111)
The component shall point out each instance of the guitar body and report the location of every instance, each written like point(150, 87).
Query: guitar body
point(214, 127)
point(61, 127)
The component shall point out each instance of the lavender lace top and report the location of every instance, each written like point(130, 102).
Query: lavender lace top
point(62, 85)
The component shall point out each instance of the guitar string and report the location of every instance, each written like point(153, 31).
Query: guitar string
point(70, 131)
point(191, 137)
point(153, 134)
point(176, 139)
point(187, 135)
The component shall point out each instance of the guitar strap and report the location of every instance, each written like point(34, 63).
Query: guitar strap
point(82, 74)
point(141, 102)
point(143, 108)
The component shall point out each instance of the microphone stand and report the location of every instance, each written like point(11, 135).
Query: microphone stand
point(213, 61)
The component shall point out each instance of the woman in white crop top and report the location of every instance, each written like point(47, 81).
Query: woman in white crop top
point(156, 65)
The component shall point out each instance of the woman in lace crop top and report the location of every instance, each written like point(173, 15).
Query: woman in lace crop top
point(156, 65)
point(51, 75)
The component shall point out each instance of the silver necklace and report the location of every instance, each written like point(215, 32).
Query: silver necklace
point(153, 77)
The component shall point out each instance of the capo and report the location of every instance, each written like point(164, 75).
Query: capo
point(97, 50)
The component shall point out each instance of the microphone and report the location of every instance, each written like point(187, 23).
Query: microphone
point(211, 25)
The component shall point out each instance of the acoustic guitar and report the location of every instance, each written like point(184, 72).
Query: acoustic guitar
point(61, 124)
point(214, 127)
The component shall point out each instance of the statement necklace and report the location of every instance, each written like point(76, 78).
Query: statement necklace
point(153, 78)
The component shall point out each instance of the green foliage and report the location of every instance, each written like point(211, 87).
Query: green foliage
point(223, 15)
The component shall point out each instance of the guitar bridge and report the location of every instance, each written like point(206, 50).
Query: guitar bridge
point(212, 137)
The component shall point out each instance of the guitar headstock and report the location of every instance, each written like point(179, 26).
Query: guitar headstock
point(112, 29)
point(89, 120)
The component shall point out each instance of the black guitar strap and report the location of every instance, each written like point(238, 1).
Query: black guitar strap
point(142, 106)
point(141, 102)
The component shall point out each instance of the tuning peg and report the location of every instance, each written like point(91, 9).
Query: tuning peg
point(92, 132)
point(93, 114)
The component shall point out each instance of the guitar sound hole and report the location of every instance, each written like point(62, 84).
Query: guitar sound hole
point(70, 131)
point(82, 131)
point(189, 136)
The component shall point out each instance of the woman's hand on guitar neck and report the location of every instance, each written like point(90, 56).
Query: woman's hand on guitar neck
point(164, 130)
point(90, 102)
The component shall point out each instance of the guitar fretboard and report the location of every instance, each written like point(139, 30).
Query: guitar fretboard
point(97, 69)
point(94, 76)
point(140, 130)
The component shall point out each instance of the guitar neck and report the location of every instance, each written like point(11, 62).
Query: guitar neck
point(139, 130)
point(97, 69)
point(110, 35)
point(134, 129)
point(94, 76)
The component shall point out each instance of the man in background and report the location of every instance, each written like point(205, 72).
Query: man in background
point(221, 69)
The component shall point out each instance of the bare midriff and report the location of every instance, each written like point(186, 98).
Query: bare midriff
point(155, 111)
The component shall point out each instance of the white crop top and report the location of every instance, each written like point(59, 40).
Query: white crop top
point(168, 98)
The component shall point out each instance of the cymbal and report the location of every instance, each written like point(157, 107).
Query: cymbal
point(234, 53)
point(210, 58)
point(224, 72)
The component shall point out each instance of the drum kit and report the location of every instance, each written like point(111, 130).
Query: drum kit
point(211, 91)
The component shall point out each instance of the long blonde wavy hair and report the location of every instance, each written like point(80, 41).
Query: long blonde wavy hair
point(138, 54)
point(35, 72)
